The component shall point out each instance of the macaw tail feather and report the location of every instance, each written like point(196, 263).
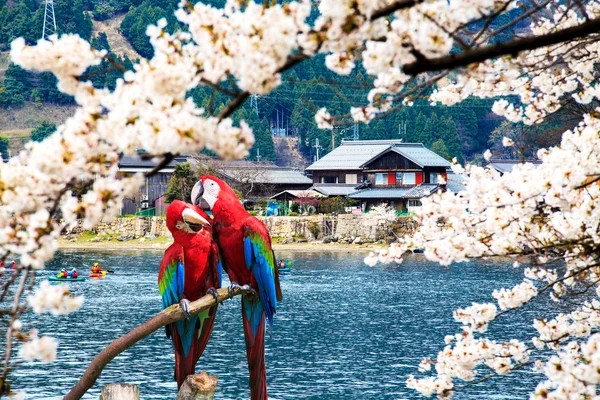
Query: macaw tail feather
point(190, 344)
point(254, 331)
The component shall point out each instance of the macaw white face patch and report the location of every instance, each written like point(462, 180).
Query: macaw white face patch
point(211, 192)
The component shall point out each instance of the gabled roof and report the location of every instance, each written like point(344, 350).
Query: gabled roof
point(299, 193)
point(262, 173)
point(351, 154)
point(333, 189)
point(504, 166)
point(416, 153)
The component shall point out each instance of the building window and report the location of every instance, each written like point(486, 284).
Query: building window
point(381, 179)
point(414, 203)
point(329, 179)
point(352, 178)
point(409, 178)
point(433, 177)
point(398, 177)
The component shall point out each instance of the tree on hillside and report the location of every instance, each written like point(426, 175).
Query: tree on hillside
point(439, 147)
point(448, 132)
point(4, 143)
point(42, 131)
point(415, 134)
point(431, 130)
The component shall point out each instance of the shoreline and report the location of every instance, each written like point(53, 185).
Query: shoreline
point(136, 245)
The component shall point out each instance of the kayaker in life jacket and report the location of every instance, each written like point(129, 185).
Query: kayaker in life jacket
point(73, 273)
point(13, 264)
point(62, 273)
point(2, 265)
point(96, 268)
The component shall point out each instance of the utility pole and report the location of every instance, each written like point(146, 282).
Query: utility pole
point(49, 20)
point(402, 130)
point(317, 146)
point(332, 139)
point(258, 157)
point(254, 102)
point(355, 130)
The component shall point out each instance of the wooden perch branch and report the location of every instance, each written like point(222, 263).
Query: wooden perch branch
point(165, 317)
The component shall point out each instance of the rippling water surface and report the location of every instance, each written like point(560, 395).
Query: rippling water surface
point(343, 331)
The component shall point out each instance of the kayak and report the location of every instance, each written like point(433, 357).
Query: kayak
point(98, 275)
point(78, 279)
point(286, 269)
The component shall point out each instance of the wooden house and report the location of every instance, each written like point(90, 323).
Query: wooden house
point(382, 171)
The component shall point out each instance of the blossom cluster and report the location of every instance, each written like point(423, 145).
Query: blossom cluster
point(55, 299)
point(547, 214)
point(39, 348)
point(543, 79)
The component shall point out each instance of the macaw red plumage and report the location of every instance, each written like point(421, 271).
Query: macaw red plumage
point(189, 270)
point(249, 261)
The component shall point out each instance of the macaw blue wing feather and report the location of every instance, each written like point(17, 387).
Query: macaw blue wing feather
point(259, 259)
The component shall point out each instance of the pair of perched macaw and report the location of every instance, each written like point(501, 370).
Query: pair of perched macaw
point(192, 267)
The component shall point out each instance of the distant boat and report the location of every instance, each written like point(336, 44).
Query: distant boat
point(54, 278)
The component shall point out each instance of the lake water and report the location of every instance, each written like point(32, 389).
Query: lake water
point(343, 331)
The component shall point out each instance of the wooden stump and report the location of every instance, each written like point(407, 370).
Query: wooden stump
point(120, 391)
point(198, 387)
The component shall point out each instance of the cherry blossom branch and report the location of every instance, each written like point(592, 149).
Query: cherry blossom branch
point(501, 49)
point(165, 317)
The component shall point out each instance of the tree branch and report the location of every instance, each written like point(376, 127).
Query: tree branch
point(501, 49)
point(165, 317)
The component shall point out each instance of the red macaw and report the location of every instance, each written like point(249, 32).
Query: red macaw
point(249, 261)
point(189, 270)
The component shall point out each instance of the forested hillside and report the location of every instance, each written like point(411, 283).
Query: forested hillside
point(462, 131)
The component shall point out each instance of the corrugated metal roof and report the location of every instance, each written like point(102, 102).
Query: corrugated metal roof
point(504, 166)
point(333, 189)
point(352, 154)
point(416, 153)
point(273, 175)
point(455, 183)
point(422, 156)
point(395, 193)
point(421, 191)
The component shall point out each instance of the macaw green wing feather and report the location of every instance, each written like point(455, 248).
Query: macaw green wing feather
point(260, 260)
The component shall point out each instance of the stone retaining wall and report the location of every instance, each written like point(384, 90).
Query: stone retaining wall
point(341, 227)
point(345, 228)
point(131, 227)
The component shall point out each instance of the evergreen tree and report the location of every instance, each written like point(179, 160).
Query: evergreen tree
point(439, 147)
point(430, 132)
point(42, 131)
point(449, 134)
point(416, 134)
point(181, 183)
point(4, 146)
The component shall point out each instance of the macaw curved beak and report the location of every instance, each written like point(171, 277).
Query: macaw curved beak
point(194, 220)
point(197, 199)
